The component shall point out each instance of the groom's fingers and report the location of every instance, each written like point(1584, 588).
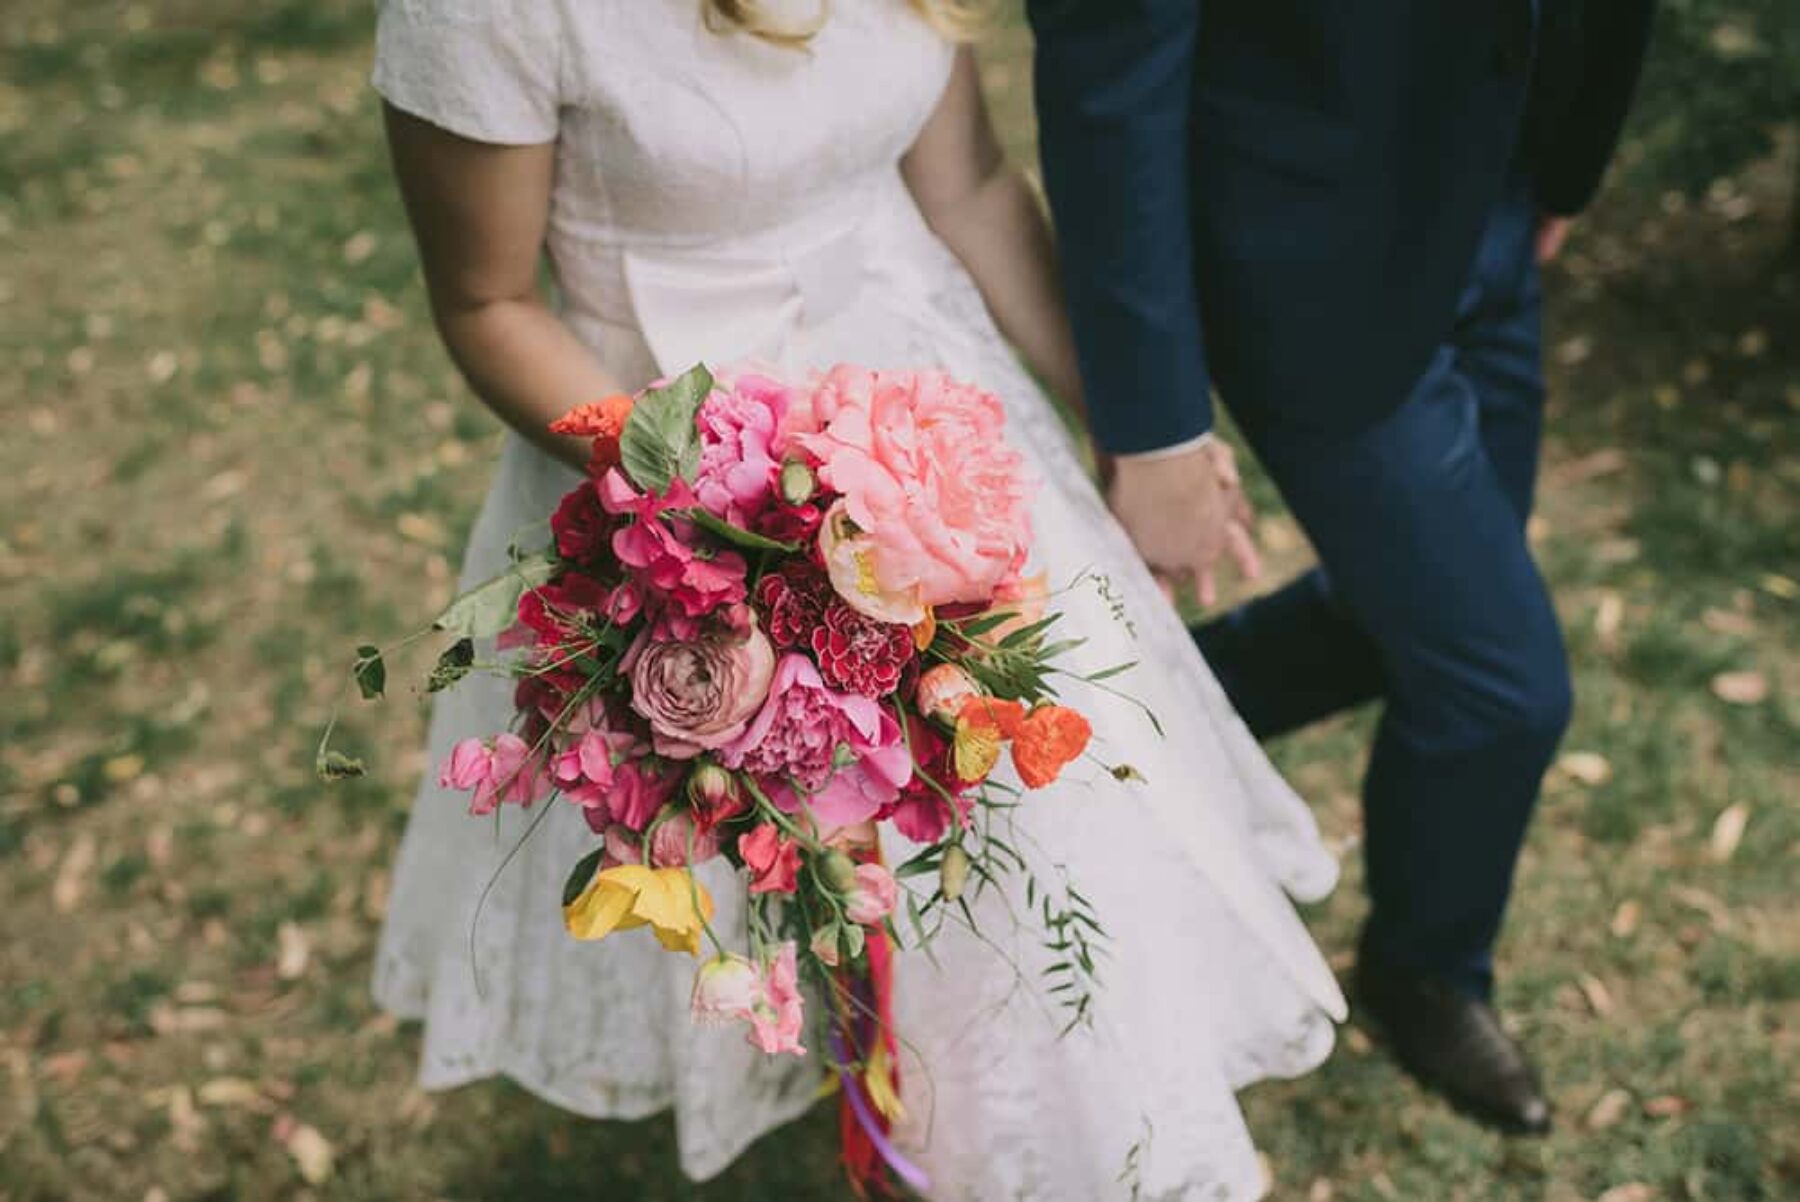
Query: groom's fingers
point(1242, 548)
point(1207, 586)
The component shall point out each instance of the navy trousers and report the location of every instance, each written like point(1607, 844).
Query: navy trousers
point(1428, 600)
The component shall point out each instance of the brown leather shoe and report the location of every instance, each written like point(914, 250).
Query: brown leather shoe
point(1453, 1044)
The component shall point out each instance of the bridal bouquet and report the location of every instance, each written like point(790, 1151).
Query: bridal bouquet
point(772, 619)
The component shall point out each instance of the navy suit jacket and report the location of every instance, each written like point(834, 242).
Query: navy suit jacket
point(1283, 197)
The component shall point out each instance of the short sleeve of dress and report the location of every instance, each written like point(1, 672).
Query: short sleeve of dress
point(488, 70)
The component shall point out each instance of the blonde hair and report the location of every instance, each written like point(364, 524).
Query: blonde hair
point(955, 19)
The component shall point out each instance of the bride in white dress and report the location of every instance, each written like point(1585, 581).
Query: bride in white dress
point(704, 192)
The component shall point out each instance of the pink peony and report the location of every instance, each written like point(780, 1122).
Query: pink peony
point(873, 896)
point(844, 752)
point(700, 695)
point(727, 989)
point(738, 470)
point(677, 842)
point(926, 476)
point(663, 550)
point(779, 1013)
point(495, 773)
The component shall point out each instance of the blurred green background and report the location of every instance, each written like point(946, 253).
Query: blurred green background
point(232, 448)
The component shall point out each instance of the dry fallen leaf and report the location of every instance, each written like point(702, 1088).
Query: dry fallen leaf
point(172, 1020)
point(1588, 767)
point(313, 1154)
point(232, 1091)
point(1728, 621)
point(1741, 688)
point(1625, 919)
point(294, 950)
point(1717, 912)
point(1609, 616)
point(1636, 1191)
point(1321, 1191)
point(1599, 998)
point(185, 1122)
point(72, 877)
point(1667, 1106)
point(1728, 832)
point(1608, 1110)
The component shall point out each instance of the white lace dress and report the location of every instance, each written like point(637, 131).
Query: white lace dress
point(718, 198)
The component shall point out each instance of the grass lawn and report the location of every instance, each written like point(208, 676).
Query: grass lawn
point(233, 448)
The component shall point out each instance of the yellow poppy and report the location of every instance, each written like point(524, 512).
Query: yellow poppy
point(669, 900)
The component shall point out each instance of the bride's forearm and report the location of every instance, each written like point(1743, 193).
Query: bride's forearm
point(1000, 233)
point(527, 366)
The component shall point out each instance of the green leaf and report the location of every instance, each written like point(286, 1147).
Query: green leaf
point(334, 766)
point(581, 875)
point(370, 672)
point(493, 605)
point(1026, 634)
point(452, 666)
point(737, 535)
point(1109, 673)
point(660, 441)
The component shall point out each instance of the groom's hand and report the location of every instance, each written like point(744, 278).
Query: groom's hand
point(1183, 512)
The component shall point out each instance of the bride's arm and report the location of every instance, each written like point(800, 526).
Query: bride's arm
point(985, 212)
point(479, 213)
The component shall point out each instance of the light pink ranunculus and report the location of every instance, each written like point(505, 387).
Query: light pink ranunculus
point(795, 739)
point(495, 773)
point(738, 467)
point(926, 474)
point(942, 690)
point(727, 989)
point(699, 694)
point(777, 1017)
point(873, 896)
point(678, 843)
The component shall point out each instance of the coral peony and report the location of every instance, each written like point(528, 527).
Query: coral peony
point(926, 474)
point(942, 691)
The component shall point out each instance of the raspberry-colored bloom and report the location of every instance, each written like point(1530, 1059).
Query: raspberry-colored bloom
point(664, 550)
point(772, 858)
point(793, 600)
point(842, 751)
point(859, 654)
point(923, 811)
point(581, 527)
point(639, 791)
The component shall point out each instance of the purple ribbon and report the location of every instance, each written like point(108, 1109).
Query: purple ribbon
point(903, 1168)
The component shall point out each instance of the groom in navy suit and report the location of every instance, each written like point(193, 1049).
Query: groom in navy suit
point(1333, 212)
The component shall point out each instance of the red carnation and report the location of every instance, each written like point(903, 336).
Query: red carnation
point(793, 602)
point(859, 654)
